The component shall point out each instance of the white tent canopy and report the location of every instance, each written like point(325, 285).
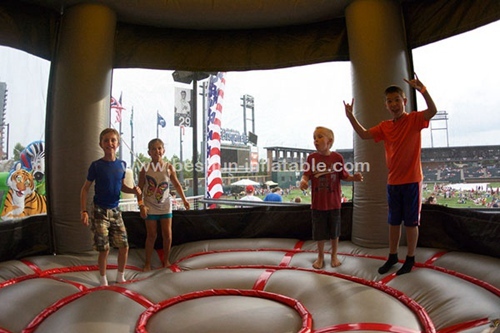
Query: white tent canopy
point(469, 186)
point(245, 182)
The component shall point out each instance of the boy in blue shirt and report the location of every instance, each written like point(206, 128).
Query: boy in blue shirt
point(107, 223)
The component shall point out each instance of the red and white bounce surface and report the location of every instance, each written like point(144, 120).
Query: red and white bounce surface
point(252, 285)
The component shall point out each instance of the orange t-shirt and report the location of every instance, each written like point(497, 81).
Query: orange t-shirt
point(402, 142)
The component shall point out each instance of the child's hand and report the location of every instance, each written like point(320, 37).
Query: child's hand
point(186, 204)
point(348, 108)
point(415, 83)
point(138, 191)
point(84, 217)
point(303, 185)
point(144, 211)
point(358, 177)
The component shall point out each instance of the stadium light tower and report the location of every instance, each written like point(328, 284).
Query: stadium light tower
point(441, 116)
point(247, 102)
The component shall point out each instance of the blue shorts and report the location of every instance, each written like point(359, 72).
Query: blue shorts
point(404, 204)
point(325, 224)
point(157, 217)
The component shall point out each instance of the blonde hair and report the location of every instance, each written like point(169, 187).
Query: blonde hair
point(107, 131)
point(326, 132)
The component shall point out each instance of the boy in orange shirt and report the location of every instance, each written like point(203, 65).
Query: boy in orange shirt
point(402, 143)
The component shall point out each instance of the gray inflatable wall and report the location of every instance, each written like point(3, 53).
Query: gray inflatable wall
point(377, 48)
point(80, 99)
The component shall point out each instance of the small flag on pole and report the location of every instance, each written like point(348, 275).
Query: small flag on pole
point(161, 120)
point(117, 105)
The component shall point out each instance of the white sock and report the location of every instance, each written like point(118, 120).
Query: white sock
point(120, 277)
point(103, 280)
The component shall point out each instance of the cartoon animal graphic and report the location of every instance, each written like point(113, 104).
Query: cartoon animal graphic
point(21, 199)
point(32, 159)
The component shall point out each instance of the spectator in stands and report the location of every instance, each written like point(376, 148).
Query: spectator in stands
point(431, 200)
point(274, 195)
point(494, 203)
point(402, 143)
point(173, 201)
point(250, 191)
point(297, 200)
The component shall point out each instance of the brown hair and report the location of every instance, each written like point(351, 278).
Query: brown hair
point(395, 89)
point(106, 131)
point(152, 142)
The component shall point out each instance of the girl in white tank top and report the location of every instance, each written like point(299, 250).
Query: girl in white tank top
point(154, 179)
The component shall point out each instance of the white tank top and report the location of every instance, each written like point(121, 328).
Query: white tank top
point(156, 189)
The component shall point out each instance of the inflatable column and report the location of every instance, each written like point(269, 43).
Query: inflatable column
point(78, 110)
point(377, 48)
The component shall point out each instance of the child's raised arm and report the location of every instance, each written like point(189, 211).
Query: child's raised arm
point(416, 84)
point(358, 128)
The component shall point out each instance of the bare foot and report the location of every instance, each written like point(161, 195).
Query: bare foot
point(146, 268)
point(167, 264)
point(318, 264)
point(335, 262)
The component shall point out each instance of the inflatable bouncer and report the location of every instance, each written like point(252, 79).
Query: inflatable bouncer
point(248, 269)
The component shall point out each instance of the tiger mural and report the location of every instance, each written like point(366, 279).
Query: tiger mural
point(32, 159)
point(21, 199)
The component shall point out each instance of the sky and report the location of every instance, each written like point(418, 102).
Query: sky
point(462, 74)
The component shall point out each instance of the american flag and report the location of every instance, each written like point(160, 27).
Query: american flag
point(117, 105)
point(214, 112)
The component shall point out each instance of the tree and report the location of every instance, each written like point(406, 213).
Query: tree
point(263, 167)
point(140, 160)
point(18, 148)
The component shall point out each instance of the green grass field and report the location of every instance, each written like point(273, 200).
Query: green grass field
point(347, 190)
point(453, 201)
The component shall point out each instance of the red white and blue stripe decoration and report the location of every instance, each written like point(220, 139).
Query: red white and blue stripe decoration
point(213, 162)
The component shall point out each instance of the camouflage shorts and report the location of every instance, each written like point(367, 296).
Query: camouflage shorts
point(108, 229)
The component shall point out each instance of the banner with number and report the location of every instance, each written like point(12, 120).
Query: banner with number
point(182, 107)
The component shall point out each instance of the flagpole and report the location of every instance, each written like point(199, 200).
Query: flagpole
point(181, 172)
point(194, 124)
point(121, 146)
point(157, 124)
point(120, 127)
point(132, 138)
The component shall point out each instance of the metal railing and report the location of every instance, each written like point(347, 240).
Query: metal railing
point(130, 205)
point(246, 203)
